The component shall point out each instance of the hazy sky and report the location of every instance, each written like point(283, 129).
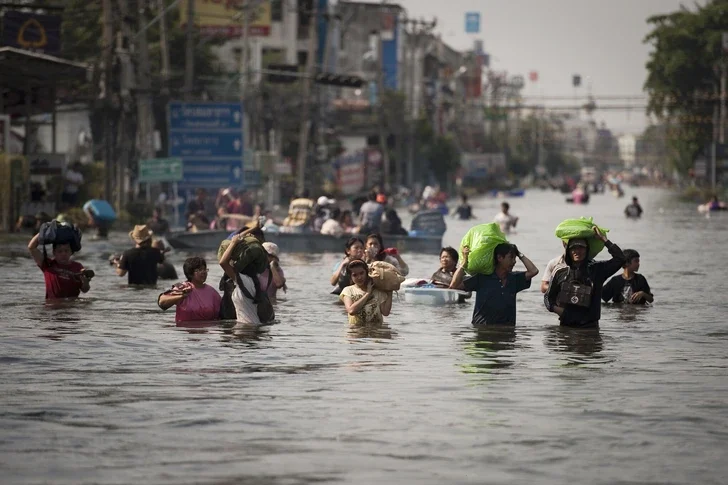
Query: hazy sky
point(599, 39)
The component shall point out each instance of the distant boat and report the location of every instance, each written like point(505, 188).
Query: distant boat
point(507, 193)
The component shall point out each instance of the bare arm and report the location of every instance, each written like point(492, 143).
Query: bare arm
point(166, 300)
point(85, 285)
point(404, 268)
point(227, 255)
point(337, 273)
point(34, 251)
point(278, 279)
point(457, 278)
point(531, 269)
point(544, 286)
point(354, 307)
point(386, 306)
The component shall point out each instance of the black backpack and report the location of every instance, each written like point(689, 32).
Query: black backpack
point(266, 313)
point(55, 232)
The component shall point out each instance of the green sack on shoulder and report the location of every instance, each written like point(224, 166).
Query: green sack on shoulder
point(581, 229)
point(482, 241)
point(249, 257)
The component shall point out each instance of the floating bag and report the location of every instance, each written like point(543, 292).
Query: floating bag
point(482, 241)
point(249, 257)
point(581, 229)
point(385, 276)
point(55, 232)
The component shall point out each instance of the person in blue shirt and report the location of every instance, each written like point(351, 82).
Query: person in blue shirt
point(101, 216)
point(495, 294)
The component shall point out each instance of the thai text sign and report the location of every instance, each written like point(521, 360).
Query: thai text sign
point(224, 18)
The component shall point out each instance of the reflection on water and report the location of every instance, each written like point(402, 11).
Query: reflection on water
point(108, 390)
point(490, 348)
point(371, 331)
point(582, 345)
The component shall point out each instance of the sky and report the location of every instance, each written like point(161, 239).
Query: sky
point(601, 40)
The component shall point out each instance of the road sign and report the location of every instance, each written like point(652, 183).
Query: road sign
point(208, 137)
point(252, 178)
point(206, 144)
point(160, 170)
point(205, 116)
point(472, 22)
point(206, 173)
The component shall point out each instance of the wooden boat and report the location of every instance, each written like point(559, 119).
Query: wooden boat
point(303, 242)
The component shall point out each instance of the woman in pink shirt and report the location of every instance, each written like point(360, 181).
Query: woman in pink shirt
point(195, 300)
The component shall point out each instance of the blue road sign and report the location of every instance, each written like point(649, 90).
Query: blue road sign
point(206, 144)
point(205, 116)
point(472, 22)
point(208, 137)
point(212, 174)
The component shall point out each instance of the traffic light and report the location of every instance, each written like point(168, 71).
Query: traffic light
point(282, 76)
point(331, 79)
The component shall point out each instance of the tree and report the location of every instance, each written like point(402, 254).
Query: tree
point(682, 77)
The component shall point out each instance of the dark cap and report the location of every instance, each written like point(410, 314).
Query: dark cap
point(577, 242)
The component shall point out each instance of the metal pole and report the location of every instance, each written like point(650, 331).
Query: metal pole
point(382, 120)
point(721, 133)
point(163, 45)
point(108, 39)
point(713, 151)
point(244, 81)
point(190, 50)
point(307, 85)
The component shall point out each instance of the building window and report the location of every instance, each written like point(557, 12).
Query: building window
point(276, 10)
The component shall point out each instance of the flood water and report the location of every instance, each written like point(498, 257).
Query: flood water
point(107, 390)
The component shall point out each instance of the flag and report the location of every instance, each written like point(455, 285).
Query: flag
point(533, 76)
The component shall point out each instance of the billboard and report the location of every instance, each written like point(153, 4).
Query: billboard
point(217, 18)
point(32, 32)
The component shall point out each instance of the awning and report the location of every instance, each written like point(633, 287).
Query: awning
point(40, 75)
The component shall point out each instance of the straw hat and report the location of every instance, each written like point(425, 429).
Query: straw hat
point(140, 234)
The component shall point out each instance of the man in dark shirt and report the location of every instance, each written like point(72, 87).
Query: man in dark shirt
point(633, 210)
point(495, 294)
point(629, 287)
point(158, 224)
point(141, 261)
point(464, 211)
point(197, 212)
point(573, 306)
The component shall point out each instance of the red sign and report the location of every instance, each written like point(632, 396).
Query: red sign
point(533, 76)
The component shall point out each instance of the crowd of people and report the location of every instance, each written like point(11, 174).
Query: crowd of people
point(573, 283)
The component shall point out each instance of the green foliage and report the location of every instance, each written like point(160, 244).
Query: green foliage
point(682, 75)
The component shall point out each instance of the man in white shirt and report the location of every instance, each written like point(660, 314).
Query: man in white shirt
point(74, 179)
point(332, 226)
point(551, 268)
point(505, 220)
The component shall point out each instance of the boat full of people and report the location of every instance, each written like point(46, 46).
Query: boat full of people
point(304, 242)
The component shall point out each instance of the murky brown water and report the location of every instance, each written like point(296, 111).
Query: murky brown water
point(107, 390)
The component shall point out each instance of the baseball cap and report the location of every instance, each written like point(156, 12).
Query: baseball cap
point(323, 200)
point(578, 242)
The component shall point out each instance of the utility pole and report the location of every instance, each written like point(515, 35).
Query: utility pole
point(128, 86)
point(307, 86)
point(163, 48)
point(382, 117)
point(721, 133)
point(145, 115)
point(108, 59)
point(190, 50)
point(418, 32)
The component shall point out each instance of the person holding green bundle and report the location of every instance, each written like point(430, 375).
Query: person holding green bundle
point(575, 290)
point(491, 261)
